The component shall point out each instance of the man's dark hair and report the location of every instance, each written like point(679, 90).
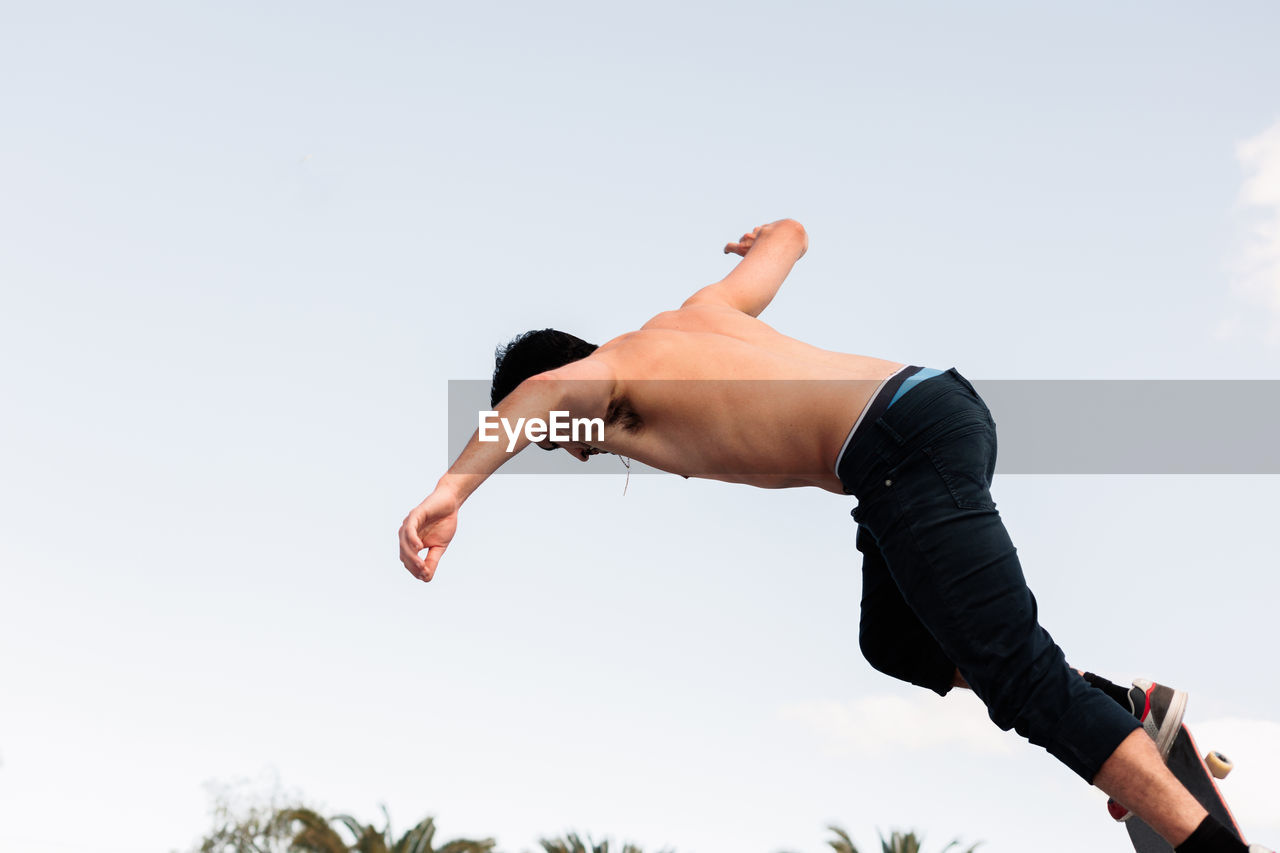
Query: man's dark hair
point(533, 353)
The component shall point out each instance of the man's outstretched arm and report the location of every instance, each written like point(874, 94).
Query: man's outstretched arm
point(583, 388)
point(769, 252)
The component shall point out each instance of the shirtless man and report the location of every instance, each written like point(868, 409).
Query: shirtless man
point(944, 600)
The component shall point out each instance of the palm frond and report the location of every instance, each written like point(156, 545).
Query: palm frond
point(355, 827)
point(370, 841)
point(574, 843)
point(843, 843)
point(570, 843)
point(468, 845)
point(956, 843)
point(418, 839)
point(897, 842)
point(315, 836)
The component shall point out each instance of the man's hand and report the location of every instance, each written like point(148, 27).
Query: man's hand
point(747, 241)
point(768, 254)
point(430, 525)
point(744, 244)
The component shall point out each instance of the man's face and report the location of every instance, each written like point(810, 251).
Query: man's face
point(576, 449)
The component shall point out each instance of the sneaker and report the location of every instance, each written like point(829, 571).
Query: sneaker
point(1160, 711)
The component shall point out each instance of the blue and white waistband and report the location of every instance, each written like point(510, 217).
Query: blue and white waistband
point(921, 374)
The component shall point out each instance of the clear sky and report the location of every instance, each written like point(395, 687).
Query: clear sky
point(244, 246)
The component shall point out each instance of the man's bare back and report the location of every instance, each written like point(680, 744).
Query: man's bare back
point(721, 395)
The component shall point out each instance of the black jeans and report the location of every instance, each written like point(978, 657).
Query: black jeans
point(942, 586)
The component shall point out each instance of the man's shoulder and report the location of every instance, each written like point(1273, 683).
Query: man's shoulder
point(635, 353)
point(665, 330)
point(702, 316)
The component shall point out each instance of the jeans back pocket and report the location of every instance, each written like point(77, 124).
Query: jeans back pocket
point(965, 460)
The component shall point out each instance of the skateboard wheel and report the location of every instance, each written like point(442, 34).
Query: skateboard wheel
point(1117, 811)
point(1219, 765)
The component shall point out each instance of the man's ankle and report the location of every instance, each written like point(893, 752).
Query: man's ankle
point(1212, 837)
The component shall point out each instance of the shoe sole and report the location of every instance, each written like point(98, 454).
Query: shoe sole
point(1172, 723)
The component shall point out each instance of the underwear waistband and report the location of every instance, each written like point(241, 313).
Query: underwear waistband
point(885, 396)
point(915, 379)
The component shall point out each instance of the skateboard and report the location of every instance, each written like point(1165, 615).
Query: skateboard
point(1200, 776)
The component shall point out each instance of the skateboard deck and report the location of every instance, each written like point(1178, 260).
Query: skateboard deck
point(1187, 764)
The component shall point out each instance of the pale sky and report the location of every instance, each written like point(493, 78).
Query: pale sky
point(244, 247)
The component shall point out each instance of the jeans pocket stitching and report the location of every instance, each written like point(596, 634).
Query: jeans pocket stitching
point(949, 480)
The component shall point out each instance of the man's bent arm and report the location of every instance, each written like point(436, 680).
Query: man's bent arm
point(769, 252)
point(580, 388)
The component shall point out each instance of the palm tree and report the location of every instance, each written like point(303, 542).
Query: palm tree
point(572, 843)
point(317, 835)
point(895, 843)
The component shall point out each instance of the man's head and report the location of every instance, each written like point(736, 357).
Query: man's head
point(533, 353)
